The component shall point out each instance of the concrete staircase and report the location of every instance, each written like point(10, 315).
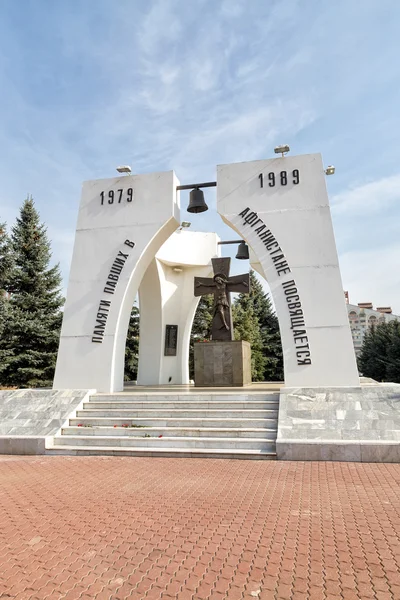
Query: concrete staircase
point(210, 425)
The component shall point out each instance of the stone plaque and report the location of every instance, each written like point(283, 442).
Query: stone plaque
point(171, 340)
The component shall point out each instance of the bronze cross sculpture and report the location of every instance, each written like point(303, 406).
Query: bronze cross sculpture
point(221, 285)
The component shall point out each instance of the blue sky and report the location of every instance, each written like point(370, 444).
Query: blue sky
point(170, 84)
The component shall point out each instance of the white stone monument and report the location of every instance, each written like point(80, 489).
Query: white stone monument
point(122, 223)
point(127, 243)
point(124, 246)
point(167, 306)
point(280, 207)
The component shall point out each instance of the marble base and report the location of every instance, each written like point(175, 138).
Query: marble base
point(25, 445)
point(352, 451)
point(360, 424)
point(27, 417)
point(222, 364)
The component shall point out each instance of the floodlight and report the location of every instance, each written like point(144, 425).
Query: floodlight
point(124, 169)
point(330, 170)
point(185, 224)
point(283, 149)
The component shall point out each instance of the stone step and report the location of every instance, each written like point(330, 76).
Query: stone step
point(143, 422)
point(263, 433)
point(172, 412)
point(189, 397)
point(167, 442)
point(196, 405)
point(205, 424)
point(160, 452)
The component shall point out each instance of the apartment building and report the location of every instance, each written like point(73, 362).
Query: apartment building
point(362, 316)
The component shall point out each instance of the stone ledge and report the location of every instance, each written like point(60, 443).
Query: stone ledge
point(22, 444)
point(342, 451)
point(349, 424)
point(29, 417)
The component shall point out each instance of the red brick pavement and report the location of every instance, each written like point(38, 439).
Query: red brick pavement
point(150, 528)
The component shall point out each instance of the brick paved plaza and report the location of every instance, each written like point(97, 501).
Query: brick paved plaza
point(75, 527)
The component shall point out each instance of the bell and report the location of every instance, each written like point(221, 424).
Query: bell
point(197, 203)
point(243, 251)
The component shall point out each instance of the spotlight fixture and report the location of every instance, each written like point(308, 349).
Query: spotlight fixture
point(330, 170)
point(283, 149)
point(185, 224)
point(124, 169)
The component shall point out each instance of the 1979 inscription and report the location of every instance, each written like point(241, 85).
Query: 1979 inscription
point(117, 196)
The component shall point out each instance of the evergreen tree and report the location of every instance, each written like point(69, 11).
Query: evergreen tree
point(132, 346)
point(31, 333)
point(366, 358)
point(6, 264)
point(246, 327)
point(393, 354)
point(201, 328)
point(6, 259)
point(255, 321)
point(270, 332)
point(373, 358)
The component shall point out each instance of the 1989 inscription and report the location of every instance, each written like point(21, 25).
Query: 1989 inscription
point(283, 178)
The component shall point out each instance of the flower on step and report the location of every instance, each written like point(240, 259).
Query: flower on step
point(125, 424)
point(80, 424)
point(115, 425)
point(160, 436)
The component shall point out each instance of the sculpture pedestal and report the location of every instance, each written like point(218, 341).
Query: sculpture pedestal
point(222, 364)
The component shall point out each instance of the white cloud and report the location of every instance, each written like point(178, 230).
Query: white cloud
point(231, 9)
point(246, 135)
point(181, 85)
point(373, 275)
point(161, 25)
point(368, 198)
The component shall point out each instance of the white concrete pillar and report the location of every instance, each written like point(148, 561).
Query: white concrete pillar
point(280, 207)
point(166, 298)
point(122, 223)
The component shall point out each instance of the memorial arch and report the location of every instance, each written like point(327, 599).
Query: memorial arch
point(278, 206)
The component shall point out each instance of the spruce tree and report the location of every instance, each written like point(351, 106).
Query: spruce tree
point(270, 332)
point(32, 330)
point(393, 353)
point(6, 259)
point(201, 328)
point(374, 352)
point(6, 264)
point(246, 327)
point(132, 346)
point(366, 358)
point(255, 320)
